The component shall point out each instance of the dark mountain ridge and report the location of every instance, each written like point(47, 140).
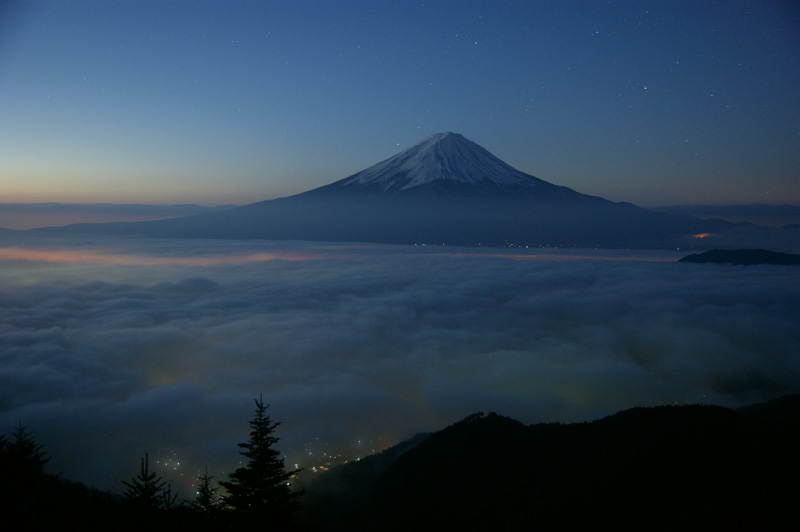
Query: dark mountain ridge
point(691, 467)
point(687, 467)
point(444, 190)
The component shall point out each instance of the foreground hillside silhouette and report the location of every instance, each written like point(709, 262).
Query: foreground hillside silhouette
point(664, 468)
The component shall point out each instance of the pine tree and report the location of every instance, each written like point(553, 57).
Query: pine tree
point(25, 454)
point(22, 463)
point(207, 501)
point(260, 490)
point(148, 492)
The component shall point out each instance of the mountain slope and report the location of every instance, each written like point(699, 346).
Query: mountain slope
point(444, 190)
point(690, 467)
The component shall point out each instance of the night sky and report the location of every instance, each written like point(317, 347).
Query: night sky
point(234, 102)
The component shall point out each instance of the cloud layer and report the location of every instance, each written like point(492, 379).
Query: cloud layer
point(161, 346)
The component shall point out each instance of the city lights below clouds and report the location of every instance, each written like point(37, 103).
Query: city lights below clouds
point(550, 255)
point(118, 254)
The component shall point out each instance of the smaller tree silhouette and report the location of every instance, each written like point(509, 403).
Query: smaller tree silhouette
point(25, 455)
point(22, 463)
point(260, 490)
point(148, 492)
point(207, 501)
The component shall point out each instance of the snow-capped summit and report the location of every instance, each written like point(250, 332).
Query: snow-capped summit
point(442, 157)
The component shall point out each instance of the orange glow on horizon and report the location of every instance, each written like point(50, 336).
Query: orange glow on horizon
point(702, 235)
point(111, 257)
point(84, 257)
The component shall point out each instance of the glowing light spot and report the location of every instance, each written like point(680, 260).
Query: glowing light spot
point(702, 235)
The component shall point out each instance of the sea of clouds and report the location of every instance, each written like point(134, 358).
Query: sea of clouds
point(113, 348)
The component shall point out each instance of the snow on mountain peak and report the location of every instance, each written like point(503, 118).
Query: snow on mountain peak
point(442, 156)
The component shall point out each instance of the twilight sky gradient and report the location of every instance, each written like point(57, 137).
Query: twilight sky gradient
point(234, 102)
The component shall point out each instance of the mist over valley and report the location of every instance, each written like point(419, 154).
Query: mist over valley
point(115, 346)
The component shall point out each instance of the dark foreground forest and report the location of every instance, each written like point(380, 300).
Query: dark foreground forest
point(666, 468)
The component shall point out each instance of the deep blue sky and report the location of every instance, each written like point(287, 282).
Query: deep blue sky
point(232, 102)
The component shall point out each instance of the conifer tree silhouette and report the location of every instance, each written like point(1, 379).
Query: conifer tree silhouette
point(26, 489)
point(147, 491)
point(26, 456)
point(260, 490)
point(207, 501)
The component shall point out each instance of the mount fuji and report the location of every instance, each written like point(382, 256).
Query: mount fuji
point(444, 190)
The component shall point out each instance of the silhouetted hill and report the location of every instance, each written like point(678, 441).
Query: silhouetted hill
point(743, 257)
point(691, 467)
point(666, 468)
point(780, 412)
